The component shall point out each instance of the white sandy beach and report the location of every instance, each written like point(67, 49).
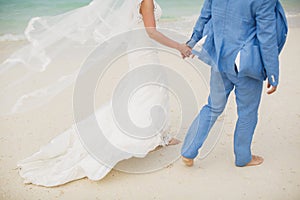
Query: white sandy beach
point(277, 139)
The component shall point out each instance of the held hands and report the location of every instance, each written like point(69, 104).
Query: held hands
point(185, 51)
point(272, 88)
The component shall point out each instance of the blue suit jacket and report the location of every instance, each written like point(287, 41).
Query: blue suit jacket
point(245, 26)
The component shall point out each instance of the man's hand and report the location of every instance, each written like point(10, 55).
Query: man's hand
point(272, 88)
point(185, 51)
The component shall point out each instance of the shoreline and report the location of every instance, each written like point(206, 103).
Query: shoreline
point(184, 24)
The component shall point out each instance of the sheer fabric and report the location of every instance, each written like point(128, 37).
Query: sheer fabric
point(56, 47)
point(62, 42)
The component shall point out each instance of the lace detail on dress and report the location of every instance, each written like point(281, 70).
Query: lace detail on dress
point(157, 11)
point(165, 139)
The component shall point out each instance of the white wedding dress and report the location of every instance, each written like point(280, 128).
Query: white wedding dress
point(65, 158)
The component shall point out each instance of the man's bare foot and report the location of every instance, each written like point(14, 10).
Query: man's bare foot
point(187, 161)
point(256, 160)
point(174, 141)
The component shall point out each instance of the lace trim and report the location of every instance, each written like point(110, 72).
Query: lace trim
point(139, 16)
point(165, 139)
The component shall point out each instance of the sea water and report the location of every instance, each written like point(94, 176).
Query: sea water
point(15, 14)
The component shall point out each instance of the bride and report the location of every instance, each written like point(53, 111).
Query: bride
point(73, 35)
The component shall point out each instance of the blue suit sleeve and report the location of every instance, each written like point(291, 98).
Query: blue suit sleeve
point(199, 26)
point(267, 37)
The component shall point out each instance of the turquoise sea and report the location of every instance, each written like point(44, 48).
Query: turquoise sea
point(14, 14)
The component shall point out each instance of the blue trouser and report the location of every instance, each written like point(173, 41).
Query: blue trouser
point(248, 95)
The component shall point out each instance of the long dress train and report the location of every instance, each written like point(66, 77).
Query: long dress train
point(65, 159)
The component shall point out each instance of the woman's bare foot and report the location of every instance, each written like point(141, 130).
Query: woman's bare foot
point(187, 161)
point(156, 148)
point(256, 160)
point(174, 141)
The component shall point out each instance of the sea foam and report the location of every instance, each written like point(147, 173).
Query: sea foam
point(12, 37)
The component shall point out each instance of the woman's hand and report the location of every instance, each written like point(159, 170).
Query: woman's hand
point(185, 50)
point(147, 11)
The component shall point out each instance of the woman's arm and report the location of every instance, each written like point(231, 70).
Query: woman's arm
point(147, 11)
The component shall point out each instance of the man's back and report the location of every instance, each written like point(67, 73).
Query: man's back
point(235, 27)
point(248, 27)
point(239, 27)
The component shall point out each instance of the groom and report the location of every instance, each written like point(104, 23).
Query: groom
point(241, 47)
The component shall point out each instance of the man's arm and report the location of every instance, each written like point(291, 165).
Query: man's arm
point(199, 26)
point(266, 34)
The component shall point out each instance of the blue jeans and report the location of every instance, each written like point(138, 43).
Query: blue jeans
point(248, 94)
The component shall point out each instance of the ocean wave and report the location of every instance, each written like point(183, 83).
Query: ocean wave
point(12, 37)
point(292, 15)
point(179, 23)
